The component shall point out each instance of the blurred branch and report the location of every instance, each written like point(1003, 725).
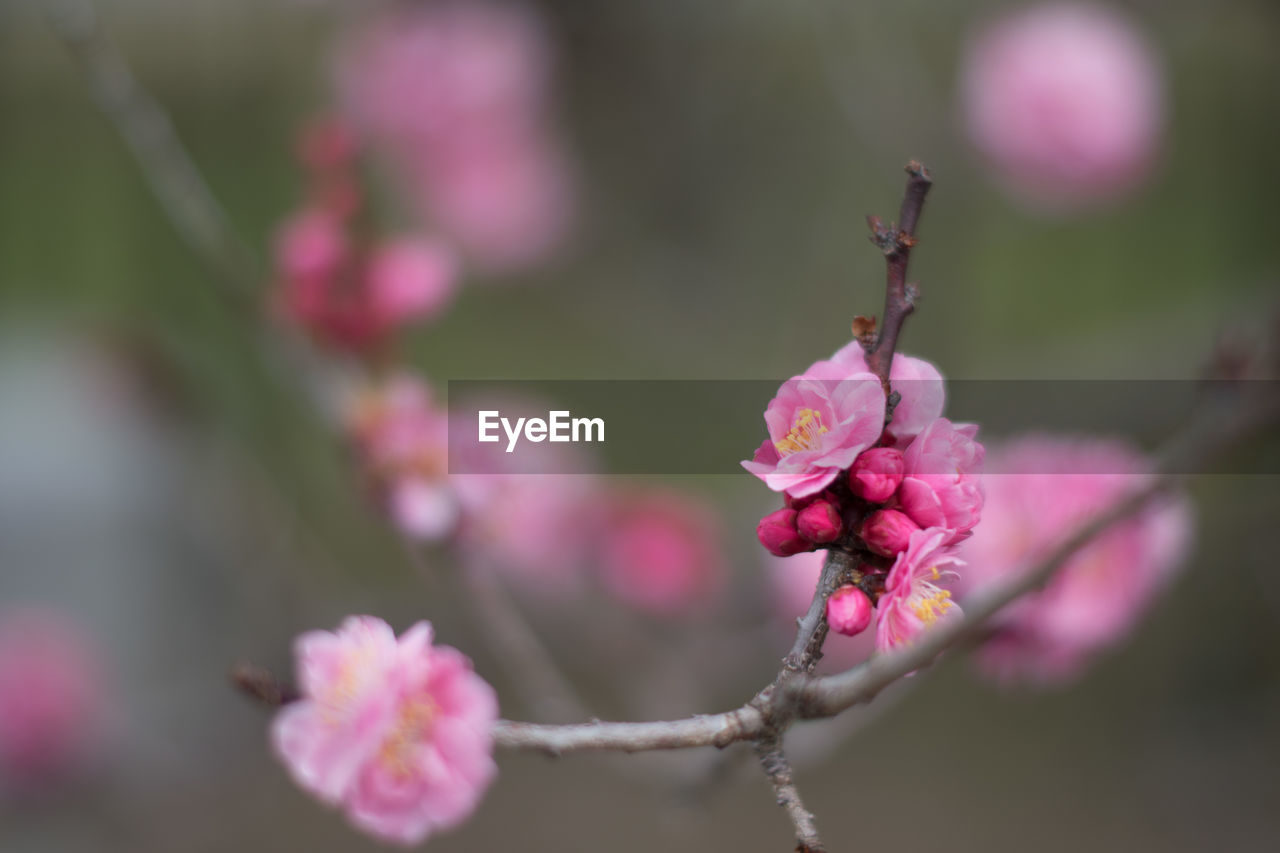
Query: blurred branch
point(173, 177)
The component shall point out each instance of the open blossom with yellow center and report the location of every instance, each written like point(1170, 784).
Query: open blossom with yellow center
point(805, 432)
point(914, 600)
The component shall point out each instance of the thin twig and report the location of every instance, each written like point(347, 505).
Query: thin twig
point(775, 765)
point(174, 179)
point(896, 242)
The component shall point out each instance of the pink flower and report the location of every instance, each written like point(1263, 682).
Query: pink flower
point(1065, 101)
point(887, 532)
point(311, 247)
point(661, 553)
point(848, 611)
point(940, 485)
point(397, 733)
point(876, 474)
point(402, 442)
point(51, 699)
point(920, 386)
point(455, 95)
point(817, 427)
point(820, 522)
point(1040, 489)
point(410, 280)
point(912, 600)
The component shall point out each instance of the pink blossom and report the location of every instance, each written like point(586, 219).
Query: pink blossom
point(51, 698)
point(402, 441)
point(311, 247)
point(913, 600)
point(455, 95)
point(876, 474)
point(1065, 101)
point(661, 552)
point(817, 427)
point(397, 733)
point(848, 611)
point(887, 532)
point(1040, 489)
point(918, 383)
point(940, 485)
point(409, 280)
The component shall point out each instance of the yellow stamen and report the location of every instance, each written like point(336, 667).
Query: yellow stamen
point(411, 727)
point(804, 433)
point(928, 607)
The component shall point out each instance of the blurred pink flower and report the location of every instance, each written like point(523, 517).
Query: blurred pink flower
point(402, 442)
point(661, 552)
point(817, 427)
point(918, 383)
point(941, 485)
point(1065, 100)
point(410, 280)
point(913, 601)
point(355, 299)
point(51, 698)
point(1039, 489)
point(395, 732)
point(455, 95)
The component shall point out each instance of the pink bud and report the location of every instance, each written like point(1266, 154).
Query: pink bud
point(887, 531)
point(820, 522)
point(848, 611)
point(875, 474)
point(777, 533)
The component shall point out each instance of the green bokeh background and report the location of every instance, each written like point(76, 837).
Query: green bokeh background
point(728, 153)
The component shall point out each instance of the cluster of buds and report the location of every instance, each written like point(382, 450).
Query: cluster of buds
point(890, 482)
point(343, 287)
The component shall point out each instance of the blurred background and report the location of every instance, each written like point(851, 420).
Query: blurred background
point(165, 487)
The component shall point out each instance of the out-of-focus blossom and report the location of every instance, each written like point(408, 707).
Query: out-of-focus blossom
point(402, 442)
point(455, 95)
point(1065, 100)
point(661, 552)
point(913, 599)
point(941, 485)
point(919, 385)
point(397, 733)
point(817, 427)
point(887, 532)
point(848, 611)
point(1039, 490)
point(355, 299)
point(51, 698)
point(876, 474)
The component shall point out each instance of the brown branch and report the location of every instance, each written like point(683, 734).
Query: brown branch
point(811, 631)
point(772, 710)
point(775, 765)
point(896, 241)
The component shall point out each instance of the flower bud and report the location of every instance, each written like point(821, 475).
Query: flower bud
point(820, 522)
point(876, 473)
point(848, 611)
point(777, 533)
point(886, 531)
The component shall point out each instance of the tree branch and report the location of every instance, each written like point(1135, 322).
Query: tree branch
point(896, 241)
point(775, 765)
